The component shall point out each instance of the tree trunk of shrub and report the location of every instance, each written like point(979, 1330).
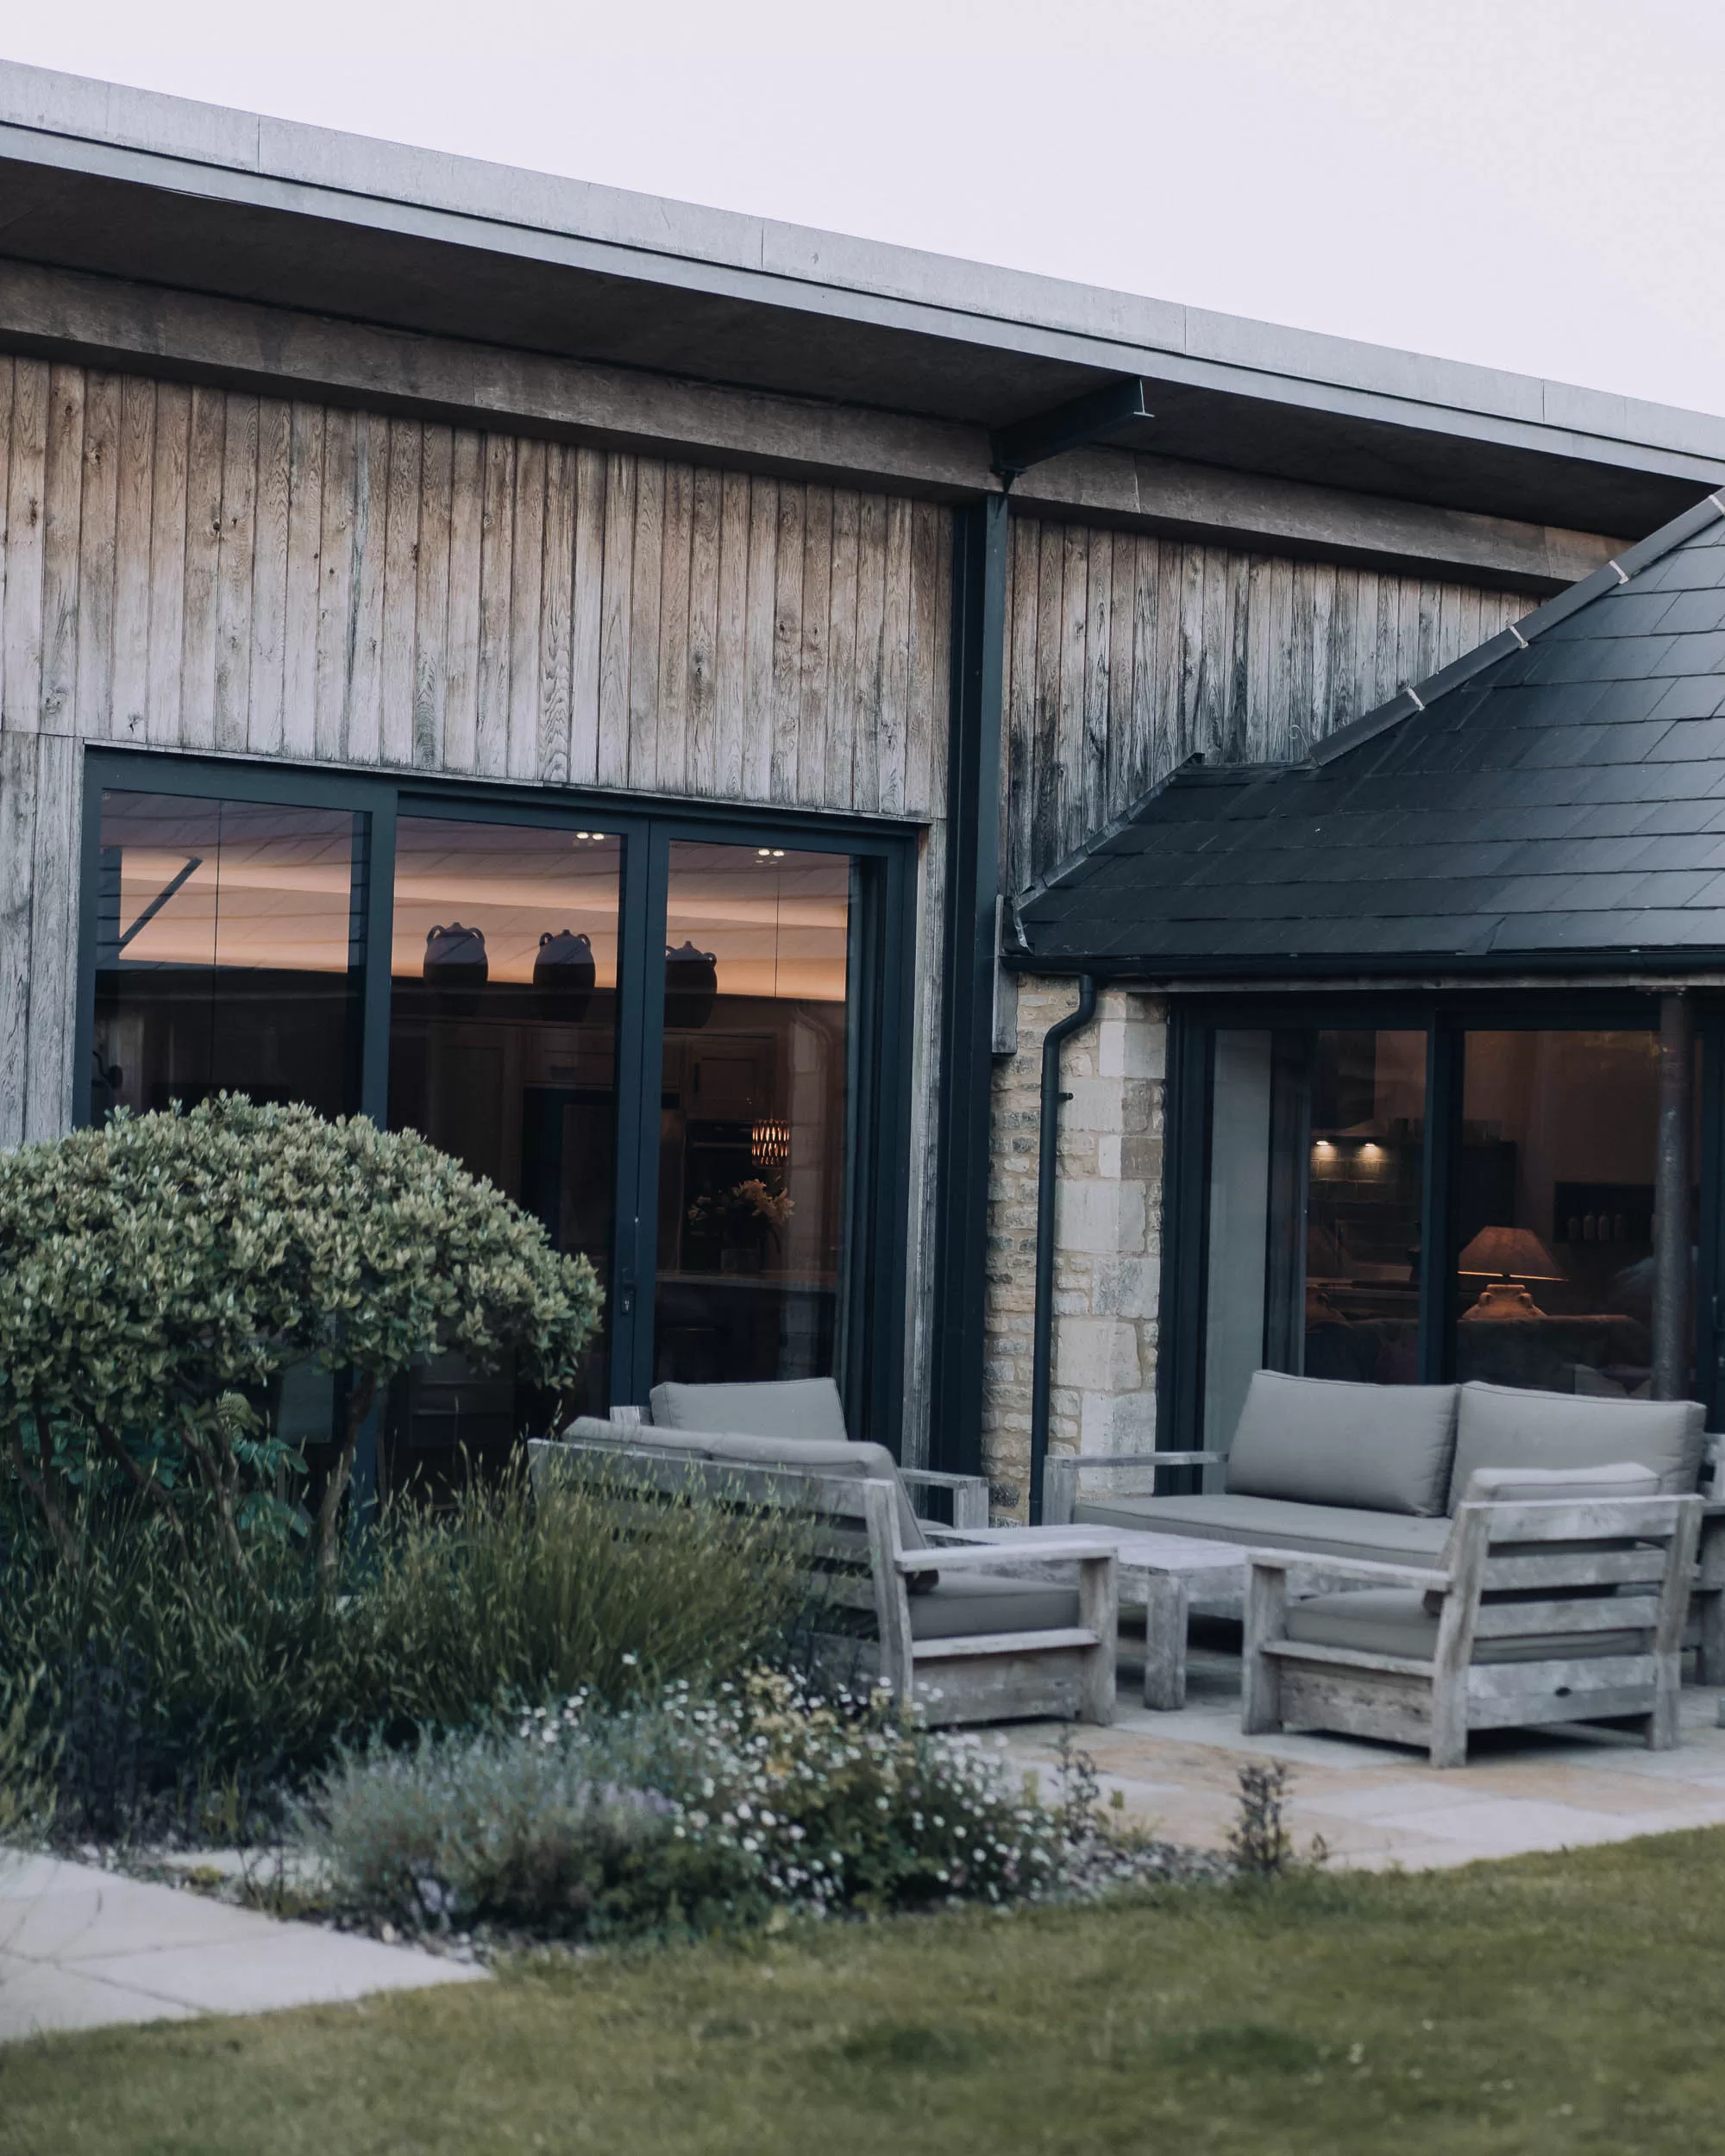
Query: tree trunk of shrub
point(329, 1512)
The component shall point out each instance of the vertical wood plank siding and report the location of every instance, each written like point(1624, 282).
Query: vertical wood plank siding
point(1128, 654)
point(192, 569)
point(195, 569)
point(206, 570)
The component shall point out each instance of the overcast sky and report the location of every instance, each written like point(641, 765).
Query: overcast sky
point(1531, 183)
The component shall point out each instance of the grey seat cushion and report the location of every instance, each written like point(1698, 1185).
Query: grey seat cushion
point(1274, 1523)
point(1320, 1441)
point(1394, 1621)
point(1503, 1426)
point(825, 1456)
point(959, 1607)
point(790, 1407)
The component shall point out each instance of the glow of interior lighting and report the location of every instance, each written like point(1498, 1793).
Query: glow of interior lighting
point(1369, 1151)
point(1323, 1145)
point(771, 1142)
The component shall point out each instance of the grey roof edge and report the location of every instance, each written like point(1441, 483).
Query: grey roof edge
point(380, 181)
point(1609, 577)
point(1665, 962)
point(1193, 770)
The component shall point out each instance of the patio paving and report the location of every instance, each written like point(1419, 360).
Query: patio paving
point(1379, 1805)
point(80, 1947)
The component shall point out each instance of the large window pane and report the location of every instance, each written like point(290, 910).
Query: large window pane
point(1238, 1228)
point(228, 949)
point(1363, 1216)
point(753, 1112)
point(503, 1022)
point(1555, 1208)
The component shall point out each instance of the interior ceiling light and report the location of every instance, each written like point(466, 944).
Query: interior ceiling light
point(771, 1142)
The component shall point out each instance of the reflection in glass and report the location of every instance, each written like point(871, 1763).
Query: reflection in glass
point(752, 1117)
point(1363, 1205)
point(1554, 1267)
point(229, 941)
point(502, 1012)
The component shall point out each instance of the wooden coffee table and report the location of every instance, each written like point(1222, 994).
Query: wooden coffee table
point(1162, 1575)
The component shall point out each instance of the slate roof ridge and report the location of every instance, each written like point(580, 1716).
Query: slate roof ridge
point(1190, 771)
point(1610, 576)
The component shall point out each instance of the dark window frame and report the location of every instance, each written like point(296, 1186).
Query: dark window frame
point(874, 1292)
point(1445, 1017)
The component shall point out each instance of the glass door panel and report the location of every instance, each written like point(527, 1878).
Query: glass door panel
point(1240, 1204)
point(1314, 1227)
point(753, 1108)
point(230, 947)
point(503, 1051)
point(1363, 1207)
point(1553, 1280)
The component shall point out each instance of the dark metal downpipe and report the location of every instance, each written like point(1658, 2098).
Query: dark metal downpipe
point(1048, 1155)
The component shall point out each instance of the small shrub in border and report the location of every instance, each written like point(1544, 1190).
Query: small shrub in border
point(701, 1811)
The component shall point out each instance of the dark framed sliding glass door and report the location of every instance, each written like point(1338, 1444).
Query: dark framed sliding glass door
point(677, 1040)
point(1393, 1193)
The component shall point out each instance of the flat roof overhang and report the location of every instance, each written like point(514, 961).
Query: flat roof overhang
point(128, 184)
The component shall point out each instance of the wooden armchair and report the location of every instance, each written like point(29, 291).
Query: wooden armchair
point(1560, 1609)
point(991, 1637)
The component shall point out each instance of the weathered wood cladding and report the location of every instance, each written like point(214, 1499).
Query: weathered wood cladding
point(204, 569)
point(197, 569)
point(1128, 654)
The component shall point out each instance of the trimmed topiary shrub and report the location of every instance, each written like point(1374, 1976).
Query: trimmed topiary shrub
point(157, 1274)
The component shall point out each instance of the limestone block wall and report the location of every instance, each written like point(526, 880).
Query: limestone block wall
point(1107, 1233)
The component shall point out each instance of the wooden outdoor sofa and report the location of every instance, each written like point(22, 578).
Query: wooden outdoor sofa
point(1373, 1474)
point(959, 1635)
point(1558, 1599)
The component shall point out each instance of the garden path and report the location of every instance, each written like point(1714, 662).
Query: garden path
point(1379, 1805)
point(80, 1947)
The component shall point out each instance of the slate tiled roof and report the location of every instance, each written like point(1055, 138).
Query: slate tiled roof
point(1559, 794)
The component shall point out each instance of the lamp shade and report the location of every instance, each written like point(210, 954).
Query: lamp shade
point(1509, 1254)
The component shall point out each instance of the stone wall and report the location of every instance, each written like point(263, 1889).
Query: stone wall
point(1107, 1223)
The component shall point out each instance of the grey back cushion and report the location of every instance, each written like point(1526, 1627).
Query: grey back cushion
point(1318, 1441)
point(790, 1407)
point(1534, 1485)
point(826, 1455)
point(1504, 1426)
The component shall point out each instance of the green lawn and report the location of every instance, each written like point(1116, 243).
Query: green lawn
point(1549, 2003)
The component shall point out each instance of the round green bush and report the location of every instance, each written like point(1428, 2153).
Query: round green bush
point(158, 1274)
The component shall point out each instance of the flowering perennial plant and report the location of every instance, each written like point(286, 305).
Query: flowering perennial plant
point(696, 1811)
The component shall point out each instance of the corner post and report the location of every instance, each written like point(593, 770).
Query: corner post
point(973, 882)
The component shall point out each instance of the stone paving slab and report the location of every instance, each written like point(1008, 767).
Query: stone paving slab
point(1377, 1805)
point(80, 1947)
